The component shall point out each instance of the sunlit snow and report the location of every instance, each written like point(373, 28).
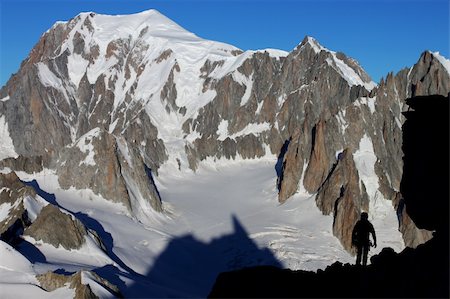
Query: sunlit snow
point(200, 209)
point(6, 145)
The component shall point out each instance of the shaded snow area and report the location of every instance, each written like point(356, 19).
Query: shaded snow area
point(223, 217)
point(17, 277)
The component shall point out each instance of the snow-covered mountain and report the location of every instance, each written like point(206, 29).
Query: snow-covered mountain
point(142, 139)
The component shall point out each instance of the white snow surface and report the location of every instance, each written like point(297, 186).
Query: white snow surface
point(84, 143)
point(348, 73)
point(47, 77)
point(315, 45)
point(369, 102)
point(4, 210)
point(12, 260)
point(444, 61)
point(17, 277)
point(252, 128)
point(34, 205)
point(381, 212)
point(224, 216)
point(6, 144)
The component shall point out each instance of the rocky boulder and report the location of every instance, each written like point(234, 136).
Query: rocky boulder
point(55, 227)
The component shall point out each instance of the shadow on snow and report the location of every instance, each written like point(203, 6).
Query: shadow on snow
point(189, 267)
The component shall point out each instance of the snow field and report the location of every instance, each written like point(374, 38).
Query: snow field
point(202, 206)
point(223, 200)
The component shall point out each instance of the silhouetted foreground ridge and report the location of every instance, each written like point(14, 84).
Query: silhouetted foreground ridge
point(421, 272)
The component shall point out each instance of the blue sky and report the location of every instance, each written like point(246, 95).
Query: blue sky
point(382, 35)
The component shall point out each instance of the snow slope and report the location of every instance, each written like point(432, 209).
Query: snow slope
point(6, 145)
point(444, 61)
point(225, 216)
point(17, 277)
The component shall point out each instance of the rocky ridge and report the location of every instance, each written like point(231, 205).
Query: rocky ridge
point(51, 281)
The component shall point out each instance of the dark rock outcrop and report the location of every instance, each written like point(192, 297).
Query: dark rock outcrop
point(52, 226)
point(51, 281)
point(27, 164)
point(424, 184)
point(13, 192)
point(340, 194)
point(414, 273)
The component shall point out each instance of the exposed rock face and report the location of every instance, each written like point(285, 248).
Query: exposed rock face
point(378, 116)
point(290, 167)
point(428, 77)
point(341, 195)
point(94, 155)
point(412, 235)
point(12, 194)
point(111, 167)
point(55, 227)
point(27, 164)
point(117, 106)
point(317, 169)
point(138, 179)
point(51, 281)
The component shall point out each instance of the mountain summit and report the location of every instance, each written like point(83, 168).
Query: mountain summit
point(107, 111)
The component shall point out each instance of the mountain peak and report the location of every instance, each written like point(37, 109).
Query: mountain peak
point(151, 21)
point(347, 67)
point(312, 42)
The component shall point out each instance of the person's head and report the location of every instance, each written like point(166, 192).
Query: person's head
point(364, 216)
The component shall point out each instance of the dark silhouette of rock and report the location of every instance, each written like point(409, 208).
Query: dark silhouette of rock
point(425, 181)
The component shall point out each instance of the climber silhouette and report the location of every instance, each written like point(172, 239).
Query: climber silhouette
point(360, 238)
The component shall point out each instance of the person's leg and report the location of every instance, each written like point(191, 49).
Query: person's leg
point(358, 255)
point(365, 250)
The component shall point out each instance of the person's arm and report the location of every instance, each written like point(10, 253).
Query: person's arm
point(374, 236)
